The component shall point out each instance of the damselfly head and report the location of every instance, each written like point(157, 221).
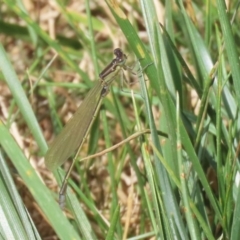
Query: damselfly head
point(115, 65)
point(120, 56)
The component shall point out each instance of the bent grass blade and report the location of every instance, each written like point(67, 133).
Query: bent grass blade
point(133, 136)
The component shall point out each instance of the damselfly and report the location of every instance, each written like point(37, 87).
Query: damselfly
point(77, 128)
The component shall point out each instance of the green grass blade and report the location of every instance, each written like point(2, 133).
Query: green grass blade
point(21, 99)
point(230, 45)
point(39, 191)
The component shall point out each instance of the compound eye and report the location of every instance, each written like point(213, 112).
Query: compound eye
point(118, 53)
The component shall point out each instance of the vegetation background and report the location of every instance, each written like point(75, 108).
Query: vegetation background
point(185, 186)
